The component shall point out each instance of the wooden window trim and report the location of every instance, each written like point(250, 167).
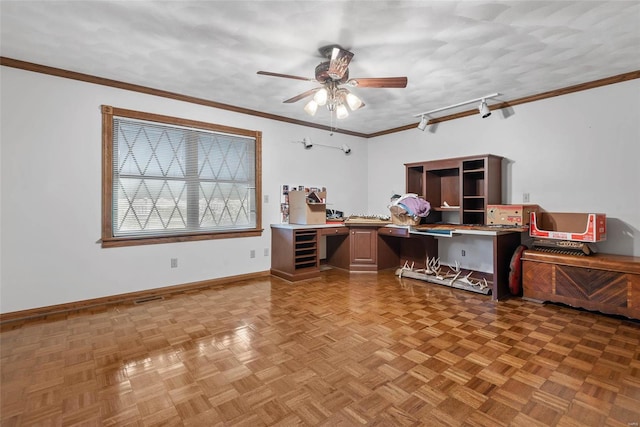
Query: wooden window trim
point(108, 240)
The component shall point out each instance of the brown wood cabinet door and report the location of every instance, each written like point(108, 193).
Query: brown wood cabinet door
point(537, 280)
point(363, 243)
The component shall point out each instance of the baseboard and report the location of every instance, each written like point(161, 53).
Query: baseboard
point(124, 298)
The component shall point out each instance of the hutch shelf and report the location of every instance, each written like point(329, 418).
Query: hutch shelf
point(458, 189)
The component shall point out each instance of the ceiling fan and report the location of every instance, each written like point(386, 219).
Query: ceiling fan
point(332, 75)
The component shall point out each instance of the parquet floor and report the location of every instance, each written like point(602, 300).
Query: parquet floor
point(341, 350)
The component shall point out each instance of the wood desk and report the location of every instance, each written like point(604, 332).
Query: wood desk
point(505, 241)
point(295, 251)
point(362, 247)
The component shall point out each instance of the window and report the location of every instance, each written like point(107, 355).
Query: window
point(167, 179)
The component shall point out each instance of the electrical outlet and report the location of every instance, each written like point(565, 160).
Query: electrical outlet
point(252, 253)
point(266, 251)
point(266, 198)
point(464, 253)
point(174, 262)
point(525, 197)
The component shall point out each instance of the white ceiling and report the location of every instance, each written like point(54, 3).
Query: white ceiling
point(451, 51)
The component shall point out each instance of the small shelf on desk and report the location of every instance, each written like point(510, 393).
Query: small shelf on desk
point(306, 249)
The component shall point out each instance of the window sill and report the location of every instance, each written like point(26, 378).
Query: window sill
point(114, 242)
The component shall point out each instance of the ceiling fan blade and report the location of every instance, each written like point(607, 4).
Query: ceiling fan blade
point(381, 82)
point(339, 63)
point(286, 76)
point(301, 96)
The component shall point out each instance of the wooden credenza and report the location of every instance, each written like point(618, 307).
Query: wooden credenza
point(605, 283)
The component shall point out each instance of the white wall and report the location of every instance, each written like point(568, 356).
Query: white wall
point(573, 153)
point(577, 153)
point(51, 204)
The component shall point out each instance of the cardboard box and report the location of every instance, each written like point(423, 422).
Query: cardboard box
point(510, 214)
point(579, 227)
point(306, 210)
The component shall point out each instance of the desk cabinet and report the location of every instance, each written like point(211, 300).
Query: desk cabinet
point(363, 243)
point(606, 283)
point(294, 253)
point(373, 248)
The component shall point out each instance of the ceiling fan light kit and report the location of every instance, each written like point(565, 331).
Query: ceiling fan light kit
point(483, 109)
point(331, 74)
point(334, 98)
point(353, 101)
point(311, 107)
point(341, 112)
point(321, 96)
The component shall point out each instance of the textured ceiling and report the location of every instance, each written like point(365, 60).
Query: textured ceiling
point(451, 51)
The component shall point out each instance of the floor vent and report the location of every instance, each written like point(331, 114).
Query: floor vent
point(148, 299)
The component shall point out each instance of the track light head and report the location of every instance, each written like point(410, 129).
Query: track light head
point(423, 123)
point(484, 110)
point(307, 143)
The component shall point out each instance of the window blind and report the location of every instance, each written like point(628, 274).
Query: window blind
point(171, 180)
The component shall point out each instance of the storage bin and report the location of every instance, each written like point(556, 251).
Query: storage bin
point(580, 227)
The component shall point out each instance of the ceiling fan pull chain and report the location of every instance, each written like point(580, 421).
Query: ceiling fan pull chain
point(331, 126)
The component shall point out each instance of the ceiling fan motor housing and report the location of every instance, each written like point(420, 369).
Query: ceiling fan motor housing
point(322, 74)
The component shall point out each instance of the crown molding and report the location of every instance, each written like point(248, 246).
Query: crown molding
point(58, 72)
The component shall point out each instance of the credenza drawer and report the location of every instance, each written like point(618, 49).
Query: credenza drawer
point(332, 231)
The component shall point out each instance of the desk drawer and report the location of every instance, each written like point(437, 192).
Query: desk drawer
point(332, 231)
point(393, 231)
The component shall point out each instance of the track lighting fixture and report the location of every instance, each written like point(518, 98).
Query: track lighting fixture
point(483, 109)
point(306, 141)
point(423, 123)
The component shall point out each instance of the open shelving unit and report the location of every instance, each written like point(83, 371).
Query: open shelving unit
point(466, 184)
point(306, 249)
point(294, 253)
